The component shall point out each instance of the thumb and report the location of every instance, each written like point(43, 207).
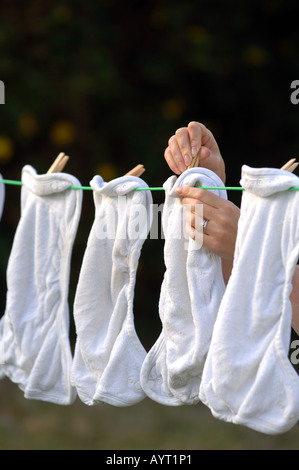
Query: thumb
point(204, 153)
point(187, 191)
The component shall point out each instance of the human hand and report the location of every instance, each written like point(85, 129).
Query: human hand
point(222, 215)
point(190, 141)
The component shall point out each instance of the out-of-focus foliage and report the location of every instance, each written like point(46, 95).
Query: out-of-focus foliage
point(109, 82)
point(36, 425)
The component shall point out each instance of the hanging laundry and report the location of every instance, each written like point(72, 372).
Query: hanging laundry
point(35, 325)
point(2, 196)
point(191, 292)
point(108, 353)
point(248, 378)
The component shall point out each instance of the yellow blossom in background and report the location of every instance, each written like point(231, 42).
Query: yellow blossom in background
point(107, 171)
point(159, 16)
point(197, 35)
point(172, 108)
point(255, 56)
point(62, 14)
point(28, 124)
point(63, 133)
point(6, 149)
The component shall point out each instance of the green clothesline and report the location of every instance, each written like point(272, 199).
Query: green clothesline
point(158, 188)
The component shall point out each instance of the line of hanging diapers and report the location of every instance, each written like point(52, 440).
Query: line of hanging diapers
point(110, 364)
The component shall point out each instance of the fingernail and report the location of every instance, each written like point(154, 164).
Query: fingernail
point(194, 151)
point(187, 159)
point(179, 190)
point(182, 166)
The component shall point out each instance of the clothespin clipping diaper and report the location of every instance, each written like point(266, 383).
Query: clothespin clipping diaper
point(194, 162)
point(59, 163)
point(136, 171)
point(291, 165)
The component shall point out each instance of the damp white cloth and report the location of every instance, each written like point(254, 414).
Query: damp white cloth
point(35, 326)
point(108, 353)
point(2, 199)
point(248, 378)
point(190, 295)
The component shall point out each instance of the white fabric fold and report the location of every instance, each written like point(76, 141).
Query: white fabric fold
point(191, 292)
point(248, 378)
point(2, 199)
point(108, 353)
point(35, 326)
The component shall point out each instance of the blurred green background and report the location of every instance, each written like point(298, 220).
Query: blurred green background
point(108, 83)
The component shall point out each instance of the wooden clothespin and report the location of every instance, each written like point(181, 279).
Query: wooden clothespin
point(59, 163)
point(291, 165)
point(194, 162)
point(136, 171)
